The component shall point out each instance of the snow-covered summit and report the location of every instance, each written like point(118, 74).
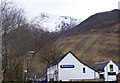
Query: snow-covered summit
point(55, 22)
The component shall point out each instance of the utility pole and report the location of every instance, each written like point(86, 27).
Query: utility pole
point(23, 69)
point(1, 77)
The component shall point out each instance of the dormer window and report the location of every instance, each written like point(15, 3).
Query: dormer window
point(111, 67)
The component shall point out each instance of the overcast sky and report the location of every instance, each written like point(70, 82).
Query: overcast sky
point(74, 8)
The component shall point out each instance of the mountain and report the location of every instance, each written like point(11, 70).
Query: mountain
point(94, 39)
point(55, 22)
point(100, 22)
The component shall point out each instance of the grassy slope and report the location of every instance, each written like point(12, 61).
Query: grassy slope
point(91, 48)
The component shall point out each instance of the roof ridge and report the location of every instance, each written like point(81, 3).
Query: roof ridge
point(103, 62)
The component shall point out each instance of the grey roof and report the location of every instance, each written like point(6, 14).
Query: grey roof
point(100, 66)
point(43, 74)
point(118, 64)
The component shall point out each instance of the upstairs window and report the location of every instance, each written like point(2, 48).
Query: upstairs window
point(111, 67)
point(83, 70)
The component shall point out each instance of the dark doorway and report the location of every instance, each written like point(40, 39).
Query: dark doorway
point(101, 76)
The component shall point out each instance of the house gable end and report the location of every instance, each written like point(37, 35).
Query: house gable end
point(57, 61)
point(111, 63)
point(81, 61)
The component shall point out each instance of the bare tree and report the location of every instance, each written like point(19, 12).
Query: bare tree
point(19, 37)
point(40, 39)
point(49, 53)
point(16, 39)
point(1, 78)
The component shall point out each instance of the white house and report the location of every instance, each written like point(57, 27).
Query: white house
point(107, 70)
point(67, 67)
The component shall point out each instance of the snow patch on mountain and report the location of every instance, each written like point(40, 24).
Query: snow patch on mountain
point(56, 23)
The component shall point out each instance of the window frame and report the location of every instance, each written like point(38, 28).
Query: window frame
point(111, 67)
point(84, 70)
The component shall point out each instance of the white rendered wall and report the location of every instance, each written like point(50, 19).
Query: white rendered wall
point(51, 72)
point(97, 76)
point(65, 74)
point(107, 69)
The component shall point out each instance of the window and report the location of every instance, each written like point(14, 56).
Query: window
point(111, 73)
point(111, 67)
point(101, 76)
point(83, 70)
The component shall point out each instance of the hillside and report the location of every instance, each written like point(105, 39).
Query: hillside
point(100, 22)
point(93, 40)
point(91, 48)
point(89, 43)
